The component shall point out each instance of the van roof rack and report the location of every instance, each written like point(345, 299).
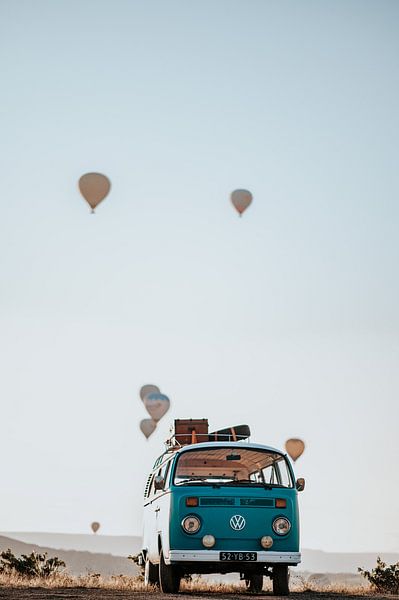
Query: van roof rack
point(193, 431)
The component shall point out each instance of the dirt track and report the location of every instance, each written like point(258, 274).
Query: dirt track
point(100, 594)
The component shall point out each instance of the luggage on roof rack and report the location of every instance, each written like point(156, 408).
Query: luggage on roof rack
point(194, 431)
point(191, 431)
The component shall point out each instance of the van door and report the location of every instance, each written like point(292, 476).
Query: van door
point(149, 519)
point(151, 528)
point(162, 509)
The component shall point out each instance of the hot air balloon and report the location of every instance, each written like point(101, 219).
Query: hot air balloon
point(148, 427)
point(94, 187)
point(148, 389)
point(295, 448)
point(241, 199)
point(157, 405)
point(95, 526)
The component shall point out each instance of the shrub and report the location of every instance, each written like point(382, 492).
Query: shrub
point(383, 578)
point(32, 565)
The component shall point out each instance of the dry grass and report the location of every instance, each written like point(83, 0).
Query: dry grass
point(135, 584)
point(332, 588)
point(63, 580)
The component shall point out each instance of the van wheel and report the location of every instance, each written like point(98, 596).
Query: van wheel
point(169, 577)
point(280, 580)
point(254, 583)
point(151, 573)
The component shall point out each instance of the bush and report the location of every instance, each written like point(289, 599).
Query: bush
point(32, 565)
point(383, 578)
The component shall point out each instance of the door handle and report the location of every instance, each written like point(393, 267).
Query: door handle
point(157, 509)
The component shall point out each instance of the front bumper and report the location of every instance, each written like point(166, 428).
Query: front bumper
point(267, 557)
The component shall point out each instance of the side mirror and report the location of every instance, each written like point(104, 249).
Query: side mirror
point(300, 484)
point(159, 482)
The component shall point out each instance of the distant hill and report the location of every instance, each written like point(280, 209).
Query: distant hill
point(77, 562)
point(117, 545)
point(106, 548)
point(317, 561)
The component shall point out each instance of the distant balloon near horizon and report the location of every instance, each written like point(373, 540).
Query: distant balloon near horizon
point(148, 389)
point(95, 526)
point(241, 199)
point(157, 405)
point(148, 426)
point(94, 187)
point(295, 448)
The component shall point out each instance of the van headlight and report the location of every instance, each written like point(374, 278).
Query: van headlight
point(281, 526)
point(191, 524)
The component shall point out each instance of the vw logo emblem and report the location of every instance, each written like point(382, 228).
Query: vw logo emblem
point(237, 522)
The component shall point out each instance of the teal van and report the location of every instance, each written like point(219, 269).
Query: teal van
point(221, 505)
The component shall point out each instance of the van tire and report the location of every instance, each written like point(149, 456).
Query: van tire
point(169, 577)
point(280, 580)
point(254, 583)
point(151, 573)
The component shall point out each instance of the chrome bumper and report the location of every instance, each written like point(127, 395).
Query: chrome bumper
point(292, 558)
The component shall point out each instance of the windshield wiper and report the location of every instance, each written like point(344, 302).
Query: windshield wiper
point(205, 481)
point(267, 486)
point(240, 482)
point(193, 480)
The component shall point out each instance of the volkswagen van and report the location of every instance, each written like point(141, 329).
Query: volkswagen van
point(219, 506)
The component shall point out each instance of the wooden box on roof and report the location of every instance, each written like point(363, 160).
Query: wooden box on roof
point(191, 431)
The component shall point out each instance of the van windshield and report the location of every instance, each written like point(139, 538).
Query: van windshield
point(232, 466)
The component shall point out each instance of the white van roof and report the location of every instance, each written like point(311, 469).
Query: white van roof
point(245, 445)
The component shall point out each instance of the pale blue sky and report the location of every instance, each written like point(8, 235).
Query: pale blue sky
point(286, 319)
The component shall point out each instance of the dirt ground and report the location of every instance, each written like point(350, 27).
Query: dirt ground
point(101, 594)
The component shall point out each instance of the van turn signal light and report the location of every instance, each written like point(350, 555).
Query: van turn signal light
point(281, 503)
point(192, 501)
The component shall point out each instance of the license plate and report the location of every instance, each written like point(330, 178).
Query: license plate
point(238, 556)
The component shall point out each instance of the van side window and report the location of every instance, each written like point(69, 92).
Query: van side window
point(269, 474)
point(169, 473)
point(166, 473)
point(163, 471)
point(283, 474)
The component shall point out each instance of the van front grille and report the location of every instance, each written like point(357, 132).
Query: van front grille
point(217, 501)
point(257, 502)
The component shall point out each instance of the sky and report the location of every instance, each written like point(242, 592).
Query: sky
point(286, 319)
